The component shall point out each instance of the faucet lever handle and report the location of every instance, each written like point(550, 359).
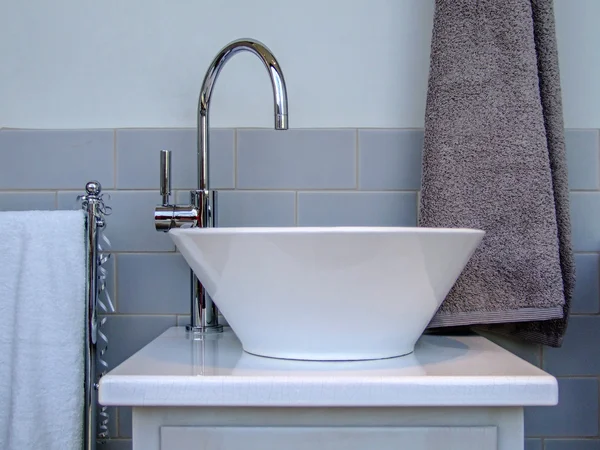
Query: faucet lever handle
point(165, 176)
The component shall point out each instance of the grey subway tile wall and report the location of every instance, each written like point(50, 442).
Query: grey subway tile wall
point(390, 159)
point(296, 159)
point(138, 158)
point(575, 415)
point(56, 159)
point(125, 422)
point(580, 353)
point(572, 444)
point(130, 225)
point(256, 208)
point(585, 217)
point(23, 201)
point(129, 333)
point(111, 282)
point(393, 209)
point(183, 320)
point(529, 352)
point(533, 444)
point(165, 285)
point(296, 177)
point(587, 289)
point(116, 444)
point(583, 159)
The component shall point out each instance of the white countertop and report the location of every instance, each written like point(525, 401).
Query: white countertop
point(175, 370)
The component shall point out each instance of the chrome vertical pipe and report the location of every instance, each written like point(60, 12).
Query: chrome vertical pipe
point(204, 314)
point(165, 176)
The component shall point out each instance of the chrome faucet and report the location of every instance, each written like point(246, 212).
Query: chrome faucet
point(202, 211)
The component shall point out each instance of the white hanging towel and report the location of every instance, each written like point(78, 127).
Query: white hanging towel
point(42, 308)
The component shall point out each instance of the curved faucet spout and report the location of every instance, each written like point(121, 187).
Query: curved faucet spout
point(271, 64)
point(279, 96)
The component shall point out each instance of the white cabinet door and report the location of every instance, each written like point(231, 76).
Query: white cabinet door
point(328, 438)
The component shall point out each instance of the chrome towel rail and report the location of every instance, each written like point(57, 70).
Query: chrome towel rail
point(95, 421)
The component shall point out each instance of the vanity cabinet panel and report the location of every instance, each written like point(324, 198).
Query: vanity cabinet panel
point(239, 428)
point(328, 438)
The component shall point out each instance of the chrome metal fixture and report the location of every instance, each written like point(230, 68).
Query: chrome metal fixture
point(202, 210)
point(96, 417)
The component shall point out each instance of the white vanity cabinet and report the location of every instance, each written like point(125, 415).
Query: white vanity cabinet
point(328, 429)
point(341, 438)
point(452, 393)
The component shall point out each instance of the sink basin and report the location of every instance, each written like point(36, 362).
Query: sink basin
point(327, 293)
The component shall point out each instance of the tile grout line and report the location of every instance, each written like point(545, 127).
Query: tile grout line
point(296, 208)
point(357, 160)
point(115, 292)
point(597, 132)
point(68, 189)
point(144, 314)
point(597, 285)
point(155, 191)
point(235, 158)
point(575, 377)
point(418, 206)
point(139, 252)
point(566, 437)
point(333, 191)
point(114, 159)
point(117, 422)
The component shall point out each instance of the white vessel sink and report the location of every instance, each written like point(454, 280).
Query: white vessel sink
point(347, 293)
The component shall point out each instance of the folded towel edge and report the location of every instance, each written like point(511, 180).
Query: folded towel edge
point(488, 317)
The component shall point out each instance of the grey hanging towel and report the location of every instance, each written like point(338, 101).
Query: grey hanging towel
point(494, 159)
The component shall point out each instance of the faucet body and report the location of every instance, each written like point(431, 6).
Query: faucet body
point(203, 203)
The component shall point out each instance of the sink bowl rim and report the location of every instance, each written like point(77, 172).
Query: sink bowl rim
point(325, 230)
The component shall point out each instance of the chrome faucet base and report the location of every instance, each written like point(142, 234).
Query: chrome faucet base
point(208, 329)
